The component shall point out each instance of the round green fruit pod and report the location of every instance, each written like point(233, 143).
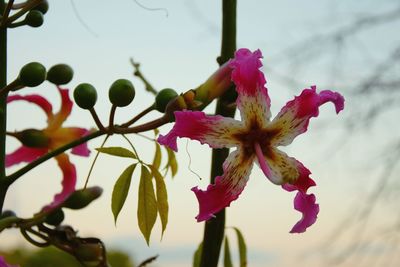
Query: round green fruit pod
point(32, 74)
point(85, 95)
point(34, 18)
point(60, 74)
point(43, 6)
point(121, 93)
point(164, 97)
point(55, 218)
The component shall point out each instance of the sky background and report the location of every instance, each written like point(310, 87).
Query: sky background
point(178, 49)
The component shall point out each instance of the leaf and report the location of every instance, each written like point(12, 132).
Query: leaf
point(197, 255)
point(157, 157)
point(242, 247)
point(227, 254)
point(117, 151)
point(121, 189)
point(147, 204)
point(162, 198)
point(172, 164)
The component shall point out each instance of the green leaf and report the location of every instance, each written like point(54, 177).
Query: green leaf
point(162, 198)
point(157, 157)
point(227, 254)
point(147, 204)
point(172, 164)
point(197, 255)
point(121, 189)
point(242, 247)
point(117, 151)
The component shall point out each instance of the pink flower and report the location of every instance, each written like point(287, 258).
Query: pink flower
point(50, 138)
point(256, 139)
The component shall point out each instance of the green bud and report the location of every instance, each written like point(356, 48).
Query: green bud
point(43, 6)
point(55, 218)
point(32, 138)
point(32, 74)
point(85, 95)
point(7, 213)
point(121, 93)
point(60, 74)
point(164, 97)
point(81, 198)
point(34, 18)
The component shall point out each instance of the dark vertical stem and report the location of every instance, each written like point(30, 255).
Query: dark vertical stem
point(214, 228)
point(3, 108)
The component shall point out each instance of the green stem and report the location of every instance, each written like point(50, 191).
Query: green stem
point(3, 108)
point(214, 228)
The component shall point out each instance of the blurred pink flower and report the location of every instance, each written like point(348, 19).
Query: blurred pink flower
point(54, 136)
point(3, 263)
point(256, 139)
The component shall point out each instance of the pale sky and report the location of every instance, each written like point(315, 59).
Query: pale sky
point(179, 51)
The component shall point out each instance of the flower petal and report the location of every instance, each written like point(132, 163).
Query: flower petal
point(24, 154)
point(216, 131)
point(306, 205)
point(68, 182)
point(303, 182)
point(227, 187)
point(65, 110)
point(278, 166)
point(35, 99)
point(62, 136)
point(295, 116)
point(253, 100)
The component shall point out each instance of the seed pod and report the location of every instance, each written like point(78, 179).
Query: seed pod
point(55, 218)
point(121, 93)
point(34, 18)
point(32, 74)
point(164, 97)
point(60, 74)
point(85, 96)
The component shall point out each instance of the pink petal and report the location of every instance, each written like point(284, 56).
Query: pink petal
point(3, 263)
point(227, 188)
point(303, 182)
point(309, 209)
point(253, 100)
point(68, 182)
point(65, 110)
point(295, 116)
point(24, 154)
point(35, 99)
point(216, 131)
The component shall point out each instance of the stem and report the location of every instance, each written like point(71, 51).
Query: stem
point(139, 74)
point(13, 177)
point(3, 108)
point(214, 228)
point(111, 120)
point(138, 116)
point(96, 119)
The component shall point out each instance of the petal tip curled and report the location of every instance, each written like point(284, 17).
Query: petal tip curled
point(306, 205)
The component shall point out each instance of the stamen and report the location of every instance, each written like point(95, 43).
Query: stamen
point(261, 160)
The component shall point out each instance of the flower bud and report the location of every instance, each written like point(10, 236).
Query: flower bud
point(91, 254)
point(85, 96)
point(163, 98)
point(32, 74)
point(34, 18)
point(81, 198)
point(55, 218)
point(60, 74)
point(32, 138)
point(121, 93)
point(43, 6)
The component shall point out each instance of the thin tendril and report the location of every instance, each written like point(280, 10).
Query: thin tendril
point(152, 9)
point(94, 161)
point(78, 16)
point(190, 161)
